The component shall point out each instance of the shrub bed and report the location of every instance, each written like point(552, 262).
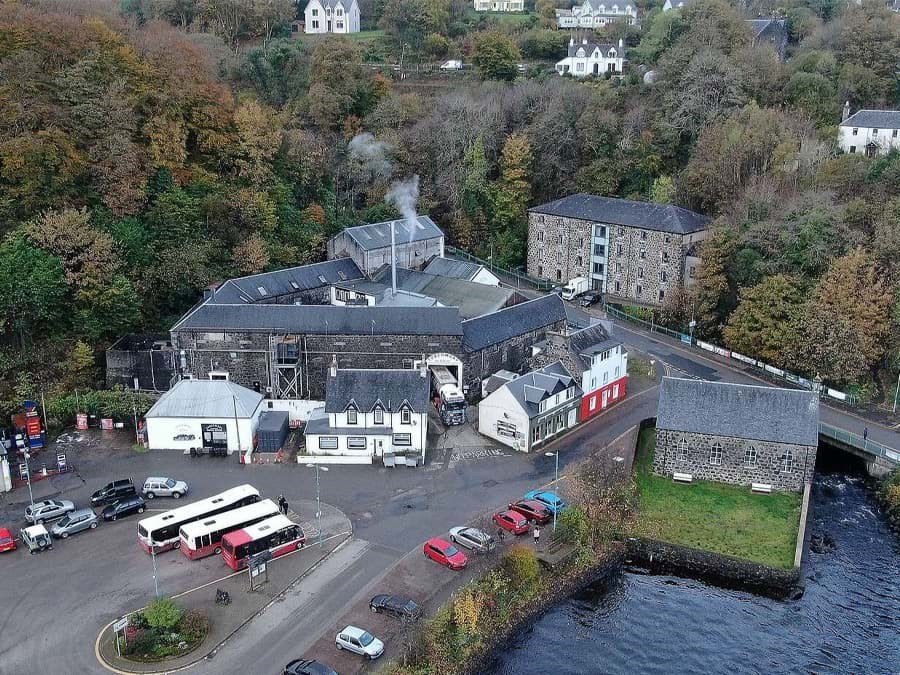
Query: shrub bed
point(164, 630)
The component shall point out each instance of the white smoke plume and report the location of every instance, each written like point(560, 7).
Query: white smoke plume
point(373, 154)
point(404, 195)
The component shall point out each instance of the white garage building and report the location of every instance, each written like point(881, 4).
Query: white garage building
point(213, 414)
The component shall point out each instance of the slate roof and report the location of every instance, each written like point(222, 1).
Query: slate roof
point(268, 285)
point(739, 411)
point(319, 424)
point(212, 399)
point(589, 47)
point(458, 269)
point(365, 388)
point(644, 215)
point(532, 388)
point(311, 320)
point(575, 350)
point(378, 235)
point(527, 316)
point(874, 119)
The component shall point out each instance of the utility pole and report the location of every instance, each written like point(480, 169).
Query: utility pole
point(237, 427)
point(155, 576)
point(44, 410)
point(137, 438)
point(896, 391)
point(27, 456)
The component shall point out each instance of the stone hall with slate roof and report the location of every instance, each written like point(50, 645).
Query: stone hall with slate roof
point(735, 433)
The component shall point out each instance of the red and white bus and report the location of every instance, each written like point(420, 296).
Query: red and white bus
point(204, 537)
point(278, 535)
point(160, 532)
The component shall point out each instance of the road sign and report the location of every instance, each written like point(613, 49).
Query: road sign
point(121, 624)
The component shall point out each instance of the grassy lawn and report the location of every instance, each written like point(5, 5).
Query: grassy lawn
point(713, 516)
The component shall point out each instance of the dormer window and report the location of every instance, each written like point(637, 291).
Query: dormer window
point(351, 416)
point(405, 415)
point(874, 132)
point(580, 53)
point(378, 415)
point(612, 53)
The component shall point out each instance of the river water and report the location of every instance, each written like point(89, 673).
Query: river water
point(848, 620)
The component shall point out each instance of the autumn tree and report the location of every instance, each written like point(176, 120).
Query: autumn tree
point(713, 292)
point(512, 195)
point(495, 56)
point(407, 21)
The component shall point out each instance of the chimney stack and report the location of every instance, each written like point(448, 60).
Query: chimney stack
point(332, 370)
point(846, 113)
point(621, 45)
point(393, 261)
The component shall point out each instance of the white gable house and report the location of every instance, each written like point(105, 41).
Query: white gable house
point(597, 14)
point(669, 5)
point(331, 16)
point(590, 58)
point(873, 132)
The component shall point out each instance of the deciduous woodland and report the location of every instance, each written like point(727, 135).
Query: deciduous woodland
point(153, 147)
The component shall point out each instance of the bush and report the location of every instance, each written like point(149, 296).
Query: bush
point(890, 495)
point(193, 626)
point(574, 526)
point(523, 567)
point(163, 614)
point(143, 643)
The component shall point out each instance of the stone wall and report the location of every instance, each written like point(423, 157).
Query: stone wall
point(559, 248)
point(414, 255)
point(734, 468)
point(643, 266)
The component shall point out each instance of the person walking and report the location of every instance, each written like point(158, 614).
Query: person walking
point(865, 433)
point(537, 537)
point(282, 504)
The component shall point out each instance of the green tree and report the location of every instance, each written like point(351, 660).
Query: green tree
point(407, 21)
point(511, 198)
point(495, 56)
point(33, 290)
point(715, 296)
point(163, 614)
point(766, 322)
point(80, 367)
point(523, 567)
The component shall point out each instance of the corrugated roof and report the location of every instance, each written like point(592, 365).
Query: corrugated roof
point(739, 411)
point(262, 287)
point(323, 320)
point(533, 315)
point(213, 399)
point(644, 215)
point(378, 235)
point(365, 388)
point(458, 269)
point(874, 119)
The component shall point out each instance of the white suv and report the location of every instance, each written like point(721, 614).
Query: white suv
point(157, 486)
point(360, 642)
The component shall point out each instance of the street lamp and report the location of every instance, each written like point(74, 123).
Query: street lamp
point(155, 576)
point(896, 391)
point(556, 478)
point(318, 502)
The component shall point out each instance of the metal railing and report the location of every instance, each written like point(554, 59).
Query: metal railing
point(865, 444)
point(518, 279)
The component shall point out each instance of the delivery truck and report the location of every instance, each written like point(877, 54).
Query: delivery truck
point(447, 396)
point(575, 287)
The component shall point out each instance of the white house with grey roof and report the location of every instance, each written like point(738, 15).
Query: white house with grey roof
point(210, 413)
point(369, 246)
point(870, 132)
point(369, 413)
point(331, 16)
point(736, 433)
point(587, 58)
point(531, 410)
point(593, 14)
point(631, 251)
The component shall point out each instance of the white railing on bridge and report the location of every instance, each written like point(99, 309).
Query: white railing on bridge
point(865, 444)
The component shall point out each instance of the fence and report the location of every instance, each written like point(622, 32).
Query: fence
point(865, 444)
point(766, 369)
point(520, 280)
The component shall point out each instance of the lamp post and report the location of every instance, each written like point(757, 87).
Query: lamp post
point(556, 478)
point(155, 577)
point(896, 391)
point(27, 456)
point(318, 502)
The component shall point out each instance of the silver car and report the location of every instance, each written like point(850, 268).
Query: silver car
point(159, 486)
point(472, 538)
point(47, 510)
point(76, 521)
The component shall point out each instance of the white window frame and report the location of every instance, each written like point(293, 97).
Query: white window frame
point(715, 454)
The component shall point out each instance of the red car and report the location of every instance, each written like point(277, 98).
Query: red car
point(445, 553)
point(512, 521)
point(533, 510)
point(7, 540)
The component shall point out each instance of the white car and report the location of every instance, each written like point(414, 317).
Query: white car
point(360, 642)
point(160, 486)
point(472, 538)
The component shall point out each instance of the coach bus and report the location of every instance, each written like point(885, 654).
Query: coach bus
point(278, 535)
point(204, 537)
point(160, 532)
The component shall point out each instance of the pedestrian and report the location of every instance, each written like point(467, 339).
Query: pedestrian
point(500, 534)
point(865, 433)
point(282, 504)
point(537, 537)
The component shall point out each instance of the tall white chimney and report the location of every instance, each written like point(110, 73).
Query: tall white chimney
point(393, 260)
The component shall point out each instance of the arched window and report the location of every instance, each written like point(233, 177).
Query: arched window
point(682, 450)
point(787, 461)
point(750, 457)
point(715, 454)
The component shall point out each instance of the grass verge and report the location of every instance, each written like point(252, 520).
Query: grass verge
point(713, 516)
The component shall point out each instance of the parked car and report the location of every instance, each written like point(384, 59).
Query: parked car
point(511, 521)
point(535, 511)
point(452, 64)
point(360, 642)
point(395, 605)
point(549, 499)
point(590, 298)
point(47, 510)
point(160, 486)
point(83, 519)
point(7, 540)
point(124, 507)
point(36, 539)
point(307, 667)
point(445, 553)
point(113, 491)
point(472, 538)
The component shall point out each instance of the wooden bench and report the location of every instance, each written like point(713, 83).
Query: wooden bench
point(762, 488)
point(682, 478)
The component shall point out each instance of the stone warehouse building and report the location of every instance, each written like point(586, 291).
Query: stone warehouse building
point(369, 246)
point(634, 252)
point(737, 433)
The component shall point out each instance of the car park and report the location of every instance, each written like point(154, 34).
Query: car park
point(47, 510)
point(161, 486)
point(359, 642)
point(77, 521)
point(395, 605)
point(113, 491)
point(535, 511)
point(445, 553)
point(36, 539)
point(124, 507)
point(590, 299)
point(472, 538)
point(511, 521)
point(307, 667)
point(549, 499)
point(7, 540)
